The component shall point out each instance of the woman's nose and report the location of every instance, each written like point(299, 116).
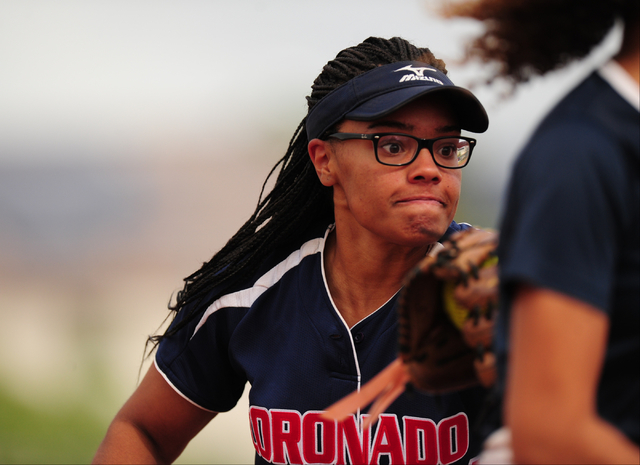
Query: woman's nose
point(424, 167)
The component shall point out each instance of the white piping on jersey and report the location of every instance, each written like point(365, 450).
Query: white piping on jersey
point(433, 250)
point(246, 297)
point(155, 362)
point(335, 309)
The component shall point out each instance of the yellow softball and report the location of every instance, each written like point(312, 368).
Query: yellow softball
point(457, 313)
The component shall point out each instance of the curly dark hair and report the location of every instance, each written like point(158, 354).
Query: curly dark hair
point(297, 201)
point(532, 37)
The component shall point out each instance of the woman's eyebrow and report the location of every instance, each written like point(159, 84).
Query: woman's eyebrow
point(449, 128)
point(390, 124)
point(409, 127)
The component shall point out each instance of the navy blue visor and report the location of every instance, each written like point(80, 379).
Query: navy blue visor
point(387, 88)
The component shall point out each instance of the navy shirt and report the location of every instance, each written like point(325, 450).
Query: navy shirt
point(280, 332)
point(571, 224)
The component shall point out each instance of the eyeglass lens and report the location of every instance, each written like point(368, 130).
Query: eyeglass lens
point(398, 149)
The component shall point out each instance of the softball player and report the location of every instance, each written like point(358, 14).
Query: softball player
point(301, 302)
point(570, 240)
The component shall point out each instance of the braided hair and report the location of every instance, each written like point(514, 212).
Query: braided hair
point(532, 37)
point(297, 201)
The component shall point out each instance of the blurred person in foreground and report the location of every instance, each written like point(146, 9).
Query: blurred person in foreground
point(568, 336)
point(301, 302)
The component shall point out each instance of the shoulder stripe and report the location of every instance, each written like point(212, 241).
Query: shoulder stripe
point(246, 297)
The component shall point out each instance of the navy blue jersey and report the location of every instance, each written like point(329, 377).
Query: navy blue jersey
point(282, 333)
point(572, 225)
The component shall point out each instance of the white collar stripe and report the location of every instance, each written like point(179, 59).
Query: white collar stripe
point(622, 83)
point(246, 297)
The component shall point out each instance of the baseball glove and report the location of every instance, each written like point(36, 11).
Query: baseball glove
point(445, 324)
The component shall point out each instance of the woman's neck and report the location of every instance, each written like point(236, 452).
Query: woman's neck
point(629, 55)
point(362, 278)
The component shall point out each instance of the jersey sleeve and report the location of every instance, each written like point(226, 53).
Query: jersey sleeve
point(197, 363)
point(560, 225)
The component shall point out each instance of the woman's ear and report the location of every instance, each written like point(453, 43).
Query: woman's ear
point(321, 154)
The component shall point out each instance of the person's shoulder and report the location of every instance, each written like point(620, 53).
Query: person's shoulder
point(232, 300)
point(592, 104)
point(305, 244)
point(586, 125)
point(312, 238)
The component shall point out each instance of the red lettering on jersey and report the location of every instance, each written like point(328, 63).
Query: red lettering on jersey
point(286, 436)
point(453, 438)
point(352, 442)
point(420, 441)
point(286, 433)
point(261, 431)
point(318, 438)
point(387, 440)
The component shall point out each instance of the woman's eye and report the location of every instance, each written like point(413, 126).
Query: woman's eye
point(448, 150)
point(393, 148)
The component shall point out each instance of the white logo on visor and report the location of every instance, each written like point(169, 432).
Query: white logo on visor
point(418, 74)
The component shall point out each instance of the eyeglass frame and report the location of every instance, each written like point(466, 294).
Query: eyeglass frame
point(422, 143)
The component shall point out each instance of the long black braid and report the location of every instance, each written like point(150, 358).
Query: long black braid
point(297, 201)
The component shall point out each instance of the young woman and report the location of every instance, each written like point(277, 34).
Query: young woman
point(570, 238)
point(301, 301)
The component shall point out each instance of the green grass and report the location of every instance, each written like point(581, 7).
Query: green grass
point(65, 435)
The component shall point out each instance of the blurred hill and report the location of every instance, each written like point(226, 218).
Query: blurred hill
point(90, 255)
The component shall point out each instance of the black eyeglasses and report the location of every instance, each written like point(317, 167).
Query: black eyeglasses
point(394, 149)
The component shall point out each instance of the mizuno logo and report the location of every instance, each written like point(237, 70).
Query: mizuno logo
point(418, 71)
point(418, 74)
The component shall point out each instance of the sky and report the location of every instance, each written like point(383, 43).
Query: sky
point(85, 85)
point(123, 78)
point(104, 78)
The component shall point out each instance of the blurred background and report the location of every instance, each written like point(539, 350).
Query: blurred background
point(134, 139)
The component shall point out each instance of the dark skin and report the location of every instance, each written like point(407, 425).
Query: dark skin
point(143, 433)
point(559, 376)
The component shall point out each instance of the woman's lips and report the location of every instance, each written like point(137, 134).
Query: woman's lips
point(421, 199)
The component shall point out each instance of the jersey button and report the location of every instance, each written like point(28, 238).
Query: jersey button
point(358, 337)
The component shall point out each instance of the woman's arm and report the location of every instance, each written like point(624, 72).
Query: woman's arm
point(153, 426)
point(557, 347)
